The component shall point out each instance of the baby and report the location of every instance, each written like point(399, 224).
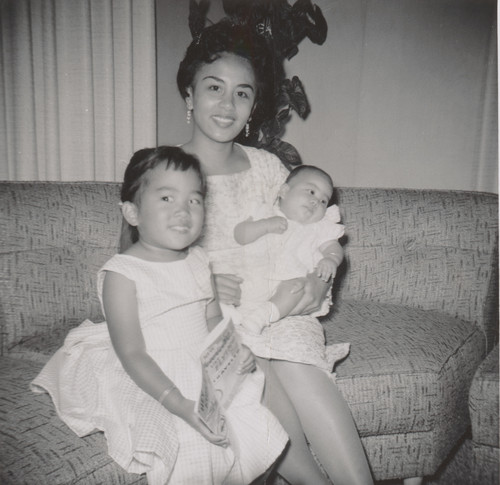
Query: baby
point(297, 235)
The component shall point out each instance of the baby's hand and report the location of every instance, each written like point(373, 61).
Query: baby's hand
point(326, 268)
point(276, 224)
point(247, 361)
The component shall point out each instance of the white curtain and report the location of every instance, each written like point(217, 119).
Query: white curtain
point(77, 87)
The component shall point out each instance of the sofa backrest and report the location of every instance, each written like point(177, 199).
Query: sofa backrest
point(430, 249)
point(434, 250)
point(55, 236)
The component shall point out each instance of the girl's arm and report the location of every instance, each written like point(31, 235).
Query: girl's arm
point(122, 317)
point(250, 230)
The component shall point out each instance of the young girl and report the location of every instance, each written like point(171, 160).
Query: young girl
point(137, 376)
point(224, 80)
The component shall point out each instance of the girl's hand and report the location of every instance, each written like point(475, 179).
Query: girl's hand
point(228, 289)
point(177, 404)
point(247, 361)
point(315, 291)
point(326, 268)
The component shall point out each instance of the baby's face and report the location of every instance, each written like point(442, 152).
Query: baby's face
point(305, 198)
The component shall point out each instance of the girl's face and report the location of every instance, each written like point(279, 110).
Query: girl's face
point(222, 97)
point(169, 213)
point(305, 198)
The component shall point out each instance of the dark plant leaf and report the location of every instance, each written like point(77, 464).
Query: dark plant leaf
point(310, 22)
point(285, 152)
point(298, 99)
point(197, 16)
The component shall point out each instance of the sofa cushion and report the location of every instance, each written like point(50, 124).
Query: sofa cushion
point(408, 369)
point(484, 402)
point(37, 447)
point(426, 249)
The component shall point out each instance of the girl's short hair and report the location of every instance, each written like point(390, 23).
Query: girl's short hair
point(135, 178)
point(240, 40)
point(147, 159)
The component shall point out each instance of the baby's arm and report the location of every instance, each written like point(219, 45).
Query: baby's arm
point(122, 317)
point(249, 231)
point(333, 254)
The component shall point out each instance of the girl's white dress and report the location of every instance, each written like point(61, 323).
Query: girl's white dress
point(229, 199)
point(91, 391)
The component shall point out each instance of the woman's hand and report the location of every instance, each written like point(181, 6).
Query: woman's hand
point(287, 296)
point(228, 289)
point(315, 291)
point(247, 361)
point(177, 404)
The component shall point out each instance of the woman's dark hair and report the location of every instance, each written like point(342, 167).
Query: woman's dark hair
point(226, 37)
point(140, 164)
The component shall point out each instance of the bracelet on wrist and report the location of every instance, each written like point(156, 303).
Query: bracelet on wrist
point(166, 392)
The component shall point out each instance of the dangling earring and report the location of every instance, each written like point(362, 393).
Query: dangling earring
point(247, 129)
point(188, 116)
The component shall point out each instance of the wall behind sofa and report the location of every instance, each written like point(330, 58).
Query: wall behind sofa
point(403, 92)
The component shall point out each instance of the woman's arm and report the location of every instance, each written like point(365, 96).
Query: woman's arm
point(122, 317)
point(227, 288)
point(315, 291)
point(316, 286)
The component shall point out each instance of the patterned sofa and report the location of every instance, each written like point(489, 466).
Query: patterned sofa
point(415, 297)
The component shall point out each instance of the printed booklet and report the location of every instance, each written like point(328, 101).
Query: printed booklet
point(220, 358)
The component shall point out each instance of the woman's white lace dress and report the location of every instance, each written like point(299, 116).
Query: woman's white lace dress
point(295, 339)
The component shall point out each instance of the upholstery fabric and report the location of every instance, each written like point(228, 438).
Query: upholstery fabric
point(38, 448)
point(415, 298)
point(53, 241)
point(476, 460)
point(471, 464)
point(413, 372)
point(483, 402)
point(420, 249)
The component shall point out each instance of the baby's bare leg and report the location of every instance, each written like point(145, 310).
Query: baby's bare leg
point(297, 464)
point(327, 422)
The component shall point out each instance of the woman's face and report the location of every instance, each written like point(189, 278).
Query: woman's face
point(222, 97)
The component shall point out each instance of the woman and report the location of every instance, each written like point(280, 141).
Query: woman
point(224, 79)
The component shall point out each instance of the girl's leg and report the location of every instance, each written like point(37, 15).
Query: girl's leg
point(327, 422)
point(296, 465)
